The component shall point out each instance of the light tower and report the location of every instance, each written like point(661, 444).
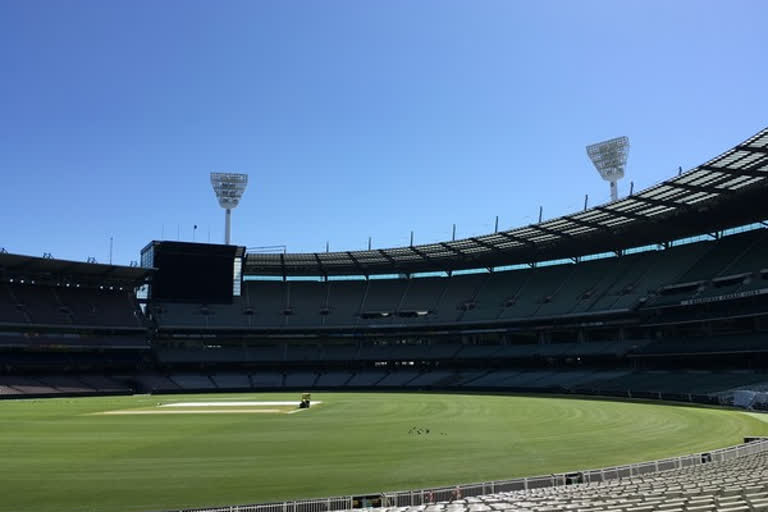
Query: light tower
point(229, 188)
point(610, 159)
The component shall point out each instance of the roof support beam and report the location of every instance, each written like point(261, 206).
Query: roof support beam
point(626, 215)
point(495, 249)
point(550, 231)
point(422, 255)
point(387, 257)
point(587, 224)
point(453, 250)
point(752, 149)
point(699, 188)
point(660, 202)
point(748, 171)
point(518, 239)
point(357, 264)
point(320, 264)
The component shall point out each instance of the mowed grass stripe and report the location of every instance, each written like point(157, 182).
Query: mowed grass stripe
point(57, 456)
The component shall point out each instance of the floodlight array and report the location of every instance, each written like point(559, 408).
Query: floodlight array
point(229, 188)
point(610, 157)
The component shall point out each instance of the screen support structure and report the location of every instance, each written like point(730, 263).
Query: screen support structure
point(229, 188)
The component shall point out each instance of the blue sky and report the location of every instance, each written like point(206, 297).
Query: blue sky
point(352, 118)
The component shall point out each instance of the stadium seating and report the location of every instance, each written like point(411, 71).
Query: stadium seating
point(11, 309)
point(152, 383)
point(736, 485)
point(25, 386)
point(660, 278)
point(193, 382)
point(332, 379)
point(366, 378)
point(305, 301)
point(66, 384)
point(334, 352)
point(266, 380)
point(60, 305)
point(423, 295)
point(692, 385)
point(339, 322)
point(103, 384)
point(714, 345)
point(300, 379)
point(231, 381)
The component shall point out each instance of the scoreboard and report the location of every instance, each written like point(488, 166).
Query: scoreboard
point(193, 272)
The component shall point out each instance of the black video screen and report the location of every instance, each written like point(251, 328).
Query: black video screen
point(193, 273)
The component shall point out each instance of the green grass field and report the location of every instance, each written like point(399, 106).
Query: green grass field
point(62, 454)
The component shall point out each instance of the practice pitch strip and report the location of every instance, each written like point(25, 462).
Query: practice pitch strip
point(221, 407)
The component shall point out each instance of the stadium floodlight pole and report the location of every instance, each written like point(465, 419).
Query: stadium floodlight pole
point(610, 160)
point(229, 188)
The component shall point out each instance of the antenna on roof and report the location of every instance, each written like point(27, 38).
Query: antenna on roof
point(610, 160)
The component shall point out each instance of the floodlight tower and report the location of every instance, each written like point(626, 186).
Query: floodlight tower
point(229, 188)
point(610, 159)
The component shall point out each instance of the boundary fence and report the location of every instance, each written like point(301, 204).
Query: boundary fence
point(450, 493)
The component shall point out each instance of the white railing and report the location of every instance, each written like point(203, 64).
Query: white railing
point(438, 494)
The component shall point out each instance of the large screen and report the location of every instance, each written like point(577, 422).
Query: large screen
point(188, 272)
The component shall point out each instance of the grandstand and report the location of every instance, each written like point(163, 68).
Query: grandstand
point(68, 328)
point(660, 295)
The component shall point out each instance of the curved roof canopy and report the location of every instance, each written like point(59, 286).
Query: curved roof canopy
point(727, 191)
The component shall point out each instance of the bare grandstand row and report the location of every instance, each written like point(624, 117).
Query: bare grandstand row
point(394, 351)
point(699, 386)
point(27, 303)
point(732, 266)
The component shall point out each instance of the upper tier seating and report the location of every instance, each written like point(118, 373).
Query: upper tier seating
point(650, 279)
point(23, 304)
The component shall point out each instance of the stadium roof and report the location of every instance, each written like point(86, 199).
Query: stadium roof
point(16, 266)
point(727, 191)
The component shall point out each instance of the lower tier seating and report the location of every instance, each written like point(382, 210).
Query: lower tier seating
point(737, 485)
point(671, 385)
